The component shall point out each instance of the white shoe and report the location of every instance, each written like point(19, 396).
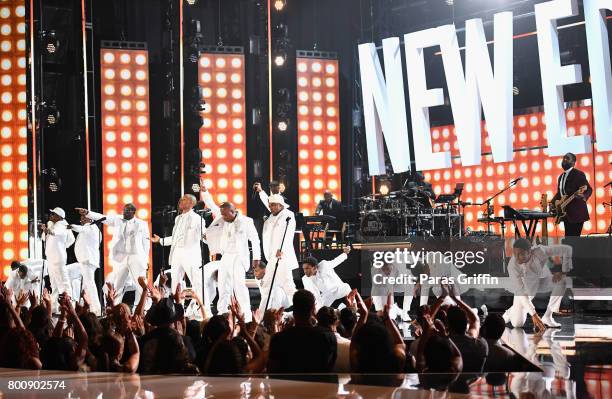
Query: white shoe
point(394, 311)
point(549, 322)
point(405, 317)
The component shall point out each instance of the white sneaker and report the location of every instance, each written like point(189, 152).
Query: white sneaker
point(394, 311)
point(405, 317)
point(549, 322)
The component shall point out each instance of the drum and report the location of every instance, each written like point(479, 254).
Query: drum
point(375, 224)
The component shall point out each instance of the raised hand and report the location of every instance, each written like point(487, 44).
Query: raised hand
point(346, 250)
point(154, 293)
point(163, 279)
point(257, 316)
point(110, 295)
point(236, 310)
point(86, 298)
point(33, 299)
point(22, 298)
point(142, 281)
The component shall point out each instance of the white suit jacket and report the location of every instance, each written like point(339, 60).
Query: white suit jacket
point(87, 245)
point(141, 238)
point(244, 231)
point(58, 239)
point(333, 284)
point(194, 228)
point(273, 230)
point(17, 284)
point(244, 228)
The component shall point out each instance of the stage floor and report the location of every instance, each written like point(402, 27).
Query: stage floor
point(575, 362)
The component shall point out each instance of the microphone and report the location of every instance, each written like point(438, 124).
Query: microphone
point(518, 179)
point(99, 221)
point(288, 219)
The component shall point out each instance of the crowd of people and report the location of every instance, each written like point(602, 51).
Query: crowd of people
point(162, 340)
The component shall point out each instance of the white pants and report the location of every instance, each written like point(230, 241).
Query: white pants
point(329, 297)
point(283, 280)
point(277, 300)
point(210, 285)
point(182, 265)
point(89, 285)
point(232, 283)
point(517, 313)
point(60, 283)
point(132, 266)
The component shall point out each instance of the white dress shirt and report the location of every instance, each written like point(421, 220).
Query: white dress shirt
point(563, 180)
point(186, 234)
point(87, 245)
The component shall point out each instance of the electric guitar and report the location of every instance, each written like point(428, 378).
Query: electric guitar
point(558, 208)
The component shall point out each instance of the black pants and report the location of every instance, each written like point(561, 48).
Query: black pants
point(573, 229)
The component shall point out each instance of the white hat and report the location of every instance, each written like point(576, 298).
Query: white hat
point(59, 212)
point(277, 199)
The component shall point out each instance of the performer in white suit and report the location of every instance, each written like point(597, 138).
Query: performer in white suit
point(529, 274)
point(321, 279)
point(278, 299)
point(25, 275)
point(284, 260)
point(185, 250)
point(129, 248)
point(230, 234)
point(57, 239)
point(87, 252)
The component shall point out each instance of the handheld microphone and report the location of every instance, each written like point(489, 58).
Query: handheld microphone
point(288, 219)
point(99, 221)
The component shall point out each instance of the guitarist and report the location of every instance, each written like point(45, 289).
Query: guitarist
point(569, 182)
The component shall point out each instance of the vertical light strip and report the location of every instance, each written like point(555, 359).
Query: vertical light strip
point(34, 240)
point(86, 103)
point(126, 177)
point(181, 92)
point(270, 105)
point(13, 136)
point(223, 132)
point(318, 131)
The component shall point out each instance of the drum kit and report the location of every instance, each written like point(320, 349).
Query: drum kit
point(410, 212)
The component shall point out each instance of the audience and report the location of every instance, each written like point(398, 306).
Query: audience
point(354, 340)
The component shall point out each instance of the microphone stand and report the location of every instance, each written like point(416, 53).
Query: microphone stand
point(488, 201)
point(276, 264)
point(201, 214)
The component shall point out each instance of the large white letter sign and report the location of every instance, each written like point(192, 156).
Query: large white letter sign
point(421, 98)
point(601, 74)
point(494, 90)
point(555, 76)
point(384, 107)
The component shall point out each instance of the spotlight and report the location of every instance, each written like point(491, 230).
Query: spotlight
point(195, 188)
point(384, 188)
point(54, 183)
point(280, 58)
point(50, 41)
point(449, 2)
point(279, 4)
point(283, 125)
point(191, 2)
point(50, 113)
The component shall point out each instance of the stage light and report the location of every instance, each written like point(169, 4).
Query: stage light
point(384, 188)
point(126, 175)
point(222, 135)
point(191, 2)
point(279, 59)
point(195, 188)
point(50, 41)
point(283, 126)
point(279, 4)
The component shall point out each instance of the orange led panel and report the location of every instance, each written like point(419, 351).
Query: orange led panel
point(223, 131)
point(318, 118)
point(531, 161)
point(126, 141)
point(13, 136)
